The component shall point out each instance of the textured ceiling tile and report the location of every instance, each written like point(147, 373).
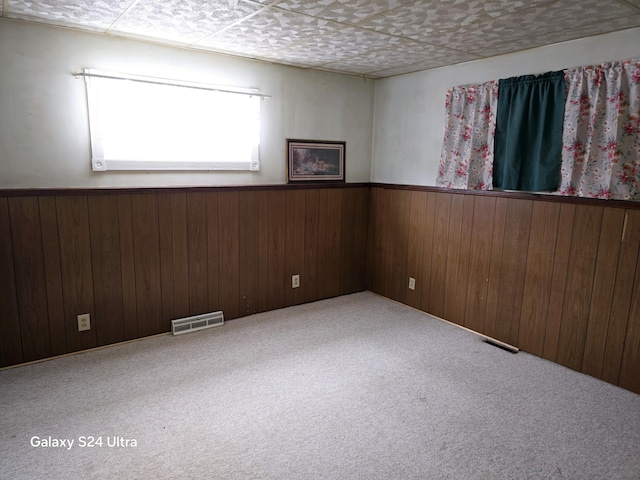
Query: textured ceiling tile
point(406, 55)
point(423, 17)
point(611, 25)
point(519, 40)
point(392, 36)
point(416, 67)
point(336, 46)
point(181, 20)
point(95, 14)
point(343, 72)
point(420, 18)
point(267, 31)
point(535, 40)
point(343, 11)
point(477, 34)
point(310, 56)
point(503, 7)
point(562, 15)
point(356, 41)
point(565, 21)
point(536, 26)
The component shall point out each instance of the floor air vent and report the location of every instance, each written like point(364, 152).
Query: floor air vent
point(502, 345)
point(197, 322)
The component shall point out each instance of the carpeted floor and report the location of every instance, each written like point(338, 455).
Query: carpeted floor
point(355, 387)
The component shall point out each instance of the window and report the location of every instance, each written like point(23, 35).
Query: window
point(142, 123)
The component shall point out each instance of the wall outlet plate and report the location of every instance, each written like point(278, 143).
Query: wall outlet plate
point(412, 283)
point(295, 281)
point(84, 322)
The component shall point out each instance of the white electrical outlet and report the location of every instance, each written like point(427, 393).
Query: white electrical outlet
point(84, 322)
point(412, 283)
point(295, 281)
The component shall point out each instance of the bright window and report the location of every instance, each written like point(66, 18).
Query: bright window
point(142, 123)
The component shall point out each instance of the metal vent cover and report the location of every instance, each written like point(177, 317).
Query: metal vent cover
point(196, 322)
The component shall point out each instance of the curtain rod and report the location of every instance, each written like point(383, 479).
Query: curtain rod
point(167, 83)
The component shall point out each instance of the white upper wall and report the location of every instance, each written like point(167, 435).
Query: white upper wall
point(44, 136)
point(409, 110)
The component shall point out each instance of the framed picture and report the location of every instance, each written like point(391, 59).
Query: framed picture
point(315, 161)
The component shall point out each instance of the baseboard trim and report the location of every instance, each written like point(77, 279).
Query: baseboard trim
point(79, 352)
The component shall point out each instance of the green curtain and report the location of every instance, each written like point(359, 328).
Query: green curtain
point(528, 139)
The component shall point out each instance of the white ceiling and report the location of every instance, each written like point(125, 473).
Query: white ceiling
point(375, 38)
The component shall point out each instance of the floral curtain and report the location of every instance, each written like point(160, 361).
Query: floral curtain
point(466, 160)
point(601, 133)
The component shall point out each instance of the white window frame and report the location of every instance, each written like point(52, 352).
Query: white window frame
point(97, 80)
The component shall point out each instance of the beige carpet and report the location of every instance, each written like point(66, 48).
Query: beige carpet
point(356, 387)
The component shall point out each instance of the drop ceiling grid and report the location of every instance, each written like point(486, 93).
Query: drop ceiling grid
point(181, 21)
point(86, 14)
point(267, 31)
point(376, 38)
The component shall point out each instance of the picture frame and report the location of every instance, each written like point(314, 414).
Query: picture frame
point(315, 161)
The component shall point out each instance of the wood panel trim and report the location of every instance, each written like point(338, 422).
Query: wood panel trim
point(628, 204)
point(43, 192)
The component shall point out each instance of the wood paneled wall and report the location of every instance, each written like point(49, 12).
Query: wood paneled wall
point(559, 280)
point(135, 260)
